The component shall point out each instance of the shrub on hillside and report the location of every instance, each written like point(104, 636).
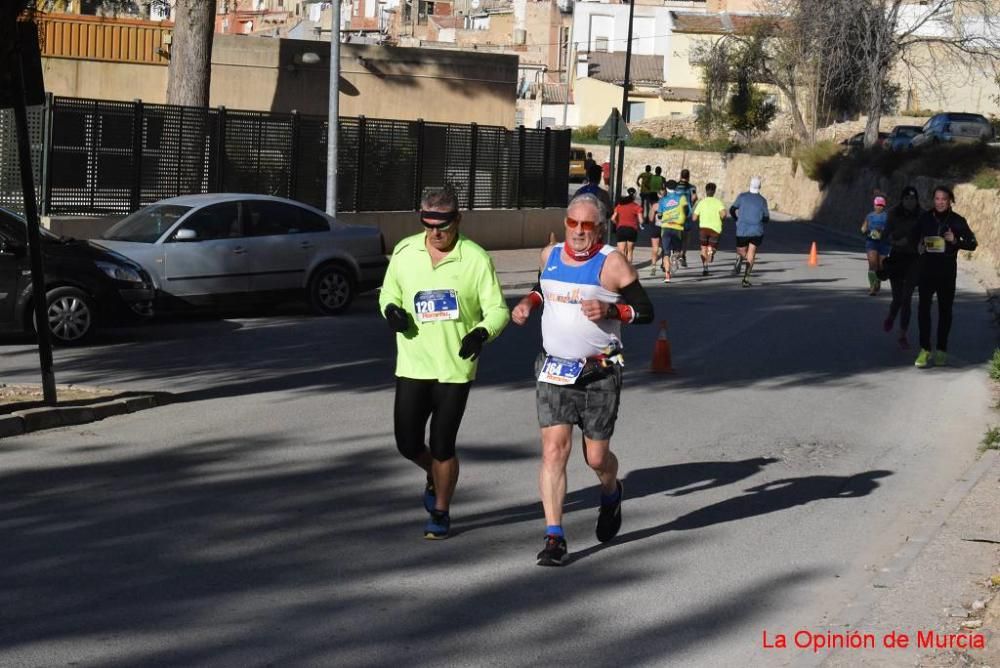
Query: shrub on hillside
point(586, 134)
point(821, 160)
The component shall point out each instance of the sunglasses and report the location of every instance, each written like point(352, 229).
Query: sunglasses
point(585, 225)
point(448, 219)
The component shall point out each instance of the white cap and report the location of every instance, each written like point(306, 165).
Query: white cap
point(755, 184)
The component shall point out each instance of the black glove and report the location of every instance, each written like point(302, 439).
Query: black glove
point(472, 344)
point(398, 319)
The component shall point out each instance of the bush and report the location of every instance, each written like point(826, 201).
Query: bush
point(995, 366)
point(986, 179)
point(820, 161)
point(586, 134)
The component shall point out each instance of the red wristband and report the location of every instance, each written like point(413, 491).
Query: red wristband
point(625, 312)
point(535, 299)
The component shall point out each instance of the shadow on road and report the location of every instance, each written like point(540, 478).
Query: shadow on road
point(770, 497)
point(671, 479)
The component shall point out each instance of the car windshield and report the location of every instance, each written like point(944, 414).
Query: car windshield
point(14, 227)
point(147, 225)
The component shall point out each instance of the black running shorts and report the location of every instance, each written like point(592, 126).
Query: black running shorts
point(743, 242)
point(626, 234)
point(593, 407)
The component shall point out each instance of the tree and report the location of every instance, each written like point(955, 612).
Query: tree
point(963, 34)
point(189, 76)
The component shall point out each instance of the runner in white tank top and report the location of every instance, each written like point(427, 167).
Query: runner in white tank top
point(588, 290)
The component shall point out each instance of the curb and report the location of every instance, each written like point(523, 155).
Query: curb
point(49, 417)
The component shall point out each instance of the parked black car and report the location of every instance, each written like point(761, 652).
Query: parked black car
point(85, 284)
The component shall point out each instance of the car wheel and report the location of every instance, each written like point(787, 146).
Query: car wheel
point(331, 290)
point(71, 315)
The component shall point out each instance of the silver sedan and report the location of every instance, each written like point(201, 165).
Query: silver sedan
point(219, 249)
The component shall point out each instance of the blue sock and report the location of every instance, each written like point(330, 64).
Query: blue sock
point(554, 530)
point(611, 500)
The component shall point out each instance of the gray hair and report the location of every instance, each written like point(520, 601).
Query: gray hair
point(440, 198)
point(594, 201)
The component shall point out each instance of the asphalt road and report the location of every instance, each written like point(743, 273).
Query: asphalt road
point(265, 518)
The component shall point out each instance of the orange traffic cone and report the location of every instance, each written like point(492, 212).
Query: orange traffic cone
point(661, 352)
point(813, 256)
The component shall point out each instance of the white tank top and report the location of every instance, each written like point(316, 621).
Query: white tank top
point(566, 332)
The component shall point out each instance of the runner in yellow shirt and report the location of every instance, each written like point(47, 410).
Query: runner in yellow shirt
point(442, 297)
point(709, 214)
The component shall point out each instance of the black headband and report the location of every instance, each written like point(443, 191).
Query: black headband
point(447, 216)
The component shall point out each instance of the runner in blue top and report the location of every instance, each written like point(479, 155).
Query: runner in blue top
point(876, 246)
point(750, 213)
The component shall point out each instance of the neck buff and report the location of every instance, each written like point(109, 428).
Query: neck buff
point(584, 255)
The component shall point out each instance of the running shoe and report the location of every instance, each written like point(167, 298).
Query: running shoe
point(666, 278)
point(940, 358)
point(553, 552)
point(746, 284)
point(684, 261)
point(437, 527)
point(704, 272)
point(430, 496)
point(609, 518)
point(652, 270)
point(923, 358)
point(887, 325)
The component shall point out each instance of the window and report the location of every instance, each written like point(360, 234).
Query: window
point(147, 225)
point(218, 221)
point(600, 44)
point(11, 230)
point(636, 111)
point(264, 218)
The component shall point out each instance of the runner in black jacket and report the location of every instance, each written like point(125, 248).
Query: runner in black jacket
point(902, 232)
point(942, 234)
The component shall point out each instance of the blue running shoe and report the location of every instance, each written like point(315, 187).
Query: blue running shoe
point(437, 527)
point(430, 496)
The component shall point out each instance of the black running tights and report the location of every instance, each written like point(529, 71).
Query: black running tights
point(418, 400)
point(938, 280)
point(902, 278)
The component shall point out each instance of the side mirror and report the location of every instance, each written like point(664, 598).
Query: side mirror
point(185, 234)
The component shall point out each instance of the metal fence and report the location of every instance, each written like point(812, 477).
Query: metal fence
point(95, 157)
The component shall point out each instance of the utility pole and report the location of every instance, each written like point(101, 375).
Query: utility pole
point(333, 112)
point(19, 96)
point(625, 111)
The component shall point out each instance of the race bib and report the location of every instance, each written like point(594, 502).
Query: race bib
point(875, 235)
point(435, 305)
point(558, 371)
point(934, 244)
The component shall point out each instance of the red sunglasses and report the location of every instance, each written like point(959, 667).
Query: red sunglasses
point(585, 225)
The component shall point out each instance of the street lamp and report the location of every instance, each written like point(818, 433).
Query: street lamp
point(333, 106)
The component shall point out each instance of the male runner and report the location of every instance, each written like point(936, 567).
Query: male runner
point(672, 215)
point(685, 188)
point(589, 290)
point(647, 197)
point(750, 213)
point(442, 297)
point(708, 217)
point(656, 183)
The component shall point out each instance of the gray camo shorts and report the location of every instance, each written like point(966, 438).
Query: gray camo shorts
point(593, 407)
